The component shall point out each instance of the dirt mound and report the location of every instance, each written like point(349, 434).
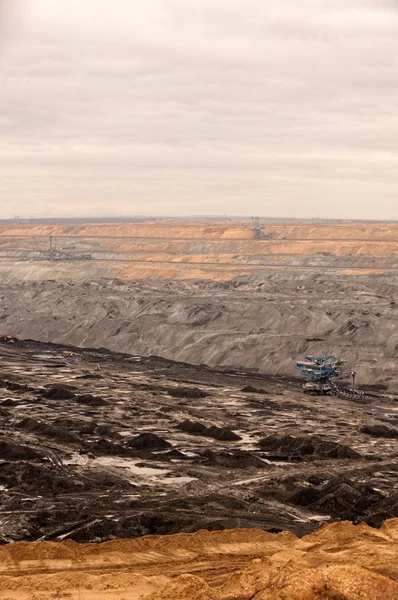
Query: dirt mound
point(143, 523)
point(339, 562)
point(250, 389)
point(10, 402)
point(329, 582)
point(187, 392)
point(289, 447)
point(47, 430)
point(340, 497)
point(75, 424)
point(87, 428)
point(11, 451)
point(380, 431)
point(171, 455)
point(384, 509)
point(105, 447)
point(59, 392)
point(222, 434)
point(91, 400)
point(218, 433)
point(106, 431)
point(235, 459)
point(193, 427)
point(30, 476)
point(148, 440)
point(15, 386)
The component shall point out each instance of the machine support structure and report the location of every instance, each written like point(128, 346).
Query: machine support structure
point(322, 370)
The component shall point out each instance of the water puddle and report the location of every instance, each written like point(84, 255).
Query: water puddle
point(178, 480)
point(149, 475)
point(129, 465)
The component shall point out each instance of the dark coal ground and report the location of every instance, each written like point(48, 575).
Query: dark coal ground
point(148, 446)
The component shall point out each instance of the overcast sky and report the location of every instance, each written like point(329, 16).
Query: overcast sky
point(179, 107)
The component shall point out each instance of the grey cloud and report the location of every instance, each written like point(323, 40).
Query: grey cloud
point(172, 103)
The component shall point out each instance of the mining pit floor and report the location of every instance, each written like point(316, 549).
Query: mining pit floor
point(99, 447)
point(149, 446)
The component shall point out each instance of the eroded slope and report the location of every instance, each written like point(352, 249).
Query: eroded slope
point(261, 326)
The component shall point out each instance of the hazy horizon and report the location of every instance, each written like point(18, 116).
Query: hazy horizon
point(170, 108)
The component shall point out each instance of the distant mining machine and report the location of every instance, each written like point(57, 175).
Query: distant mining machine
point(322, 370)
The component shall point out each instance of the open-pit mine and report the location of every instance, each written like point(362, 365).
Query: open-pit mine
point(155, 438)
point(209, 292)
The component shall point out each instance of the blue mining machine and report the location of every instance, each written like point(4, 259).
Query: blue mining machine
point(321, 370)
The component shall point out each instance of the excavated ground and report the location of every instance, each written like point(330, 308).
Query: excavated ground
point(148, 446)
point(142, 445)
point(209, 291)
point(98, 446)
point(264, 326)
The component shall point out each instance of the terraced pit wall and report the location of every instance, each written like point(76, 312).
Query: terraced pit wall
point(220, 294)
point(195, 251)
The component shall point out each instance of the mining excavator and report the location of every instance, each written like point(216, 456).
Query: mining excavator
point(322, 370)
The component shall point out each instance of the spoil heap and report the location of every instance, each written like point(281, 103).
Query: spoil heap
point(340, 561)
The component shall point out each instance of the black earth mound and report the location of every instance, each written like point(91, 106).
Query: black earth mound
point(235, 459)
point(250, 389)
point(59, 392)
point(343, 499)
point(91, 400)
point(42, 428)
point(105, 447)
point(380, 431)
point(11, 451)
point(14, 386)
point(107, 432)
point(193, 427)
point(309, 447)
point(384, 509)
point(10, 402)
point(223, 434)
point(187, 392)
point(218, 433)
point(148, 440)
